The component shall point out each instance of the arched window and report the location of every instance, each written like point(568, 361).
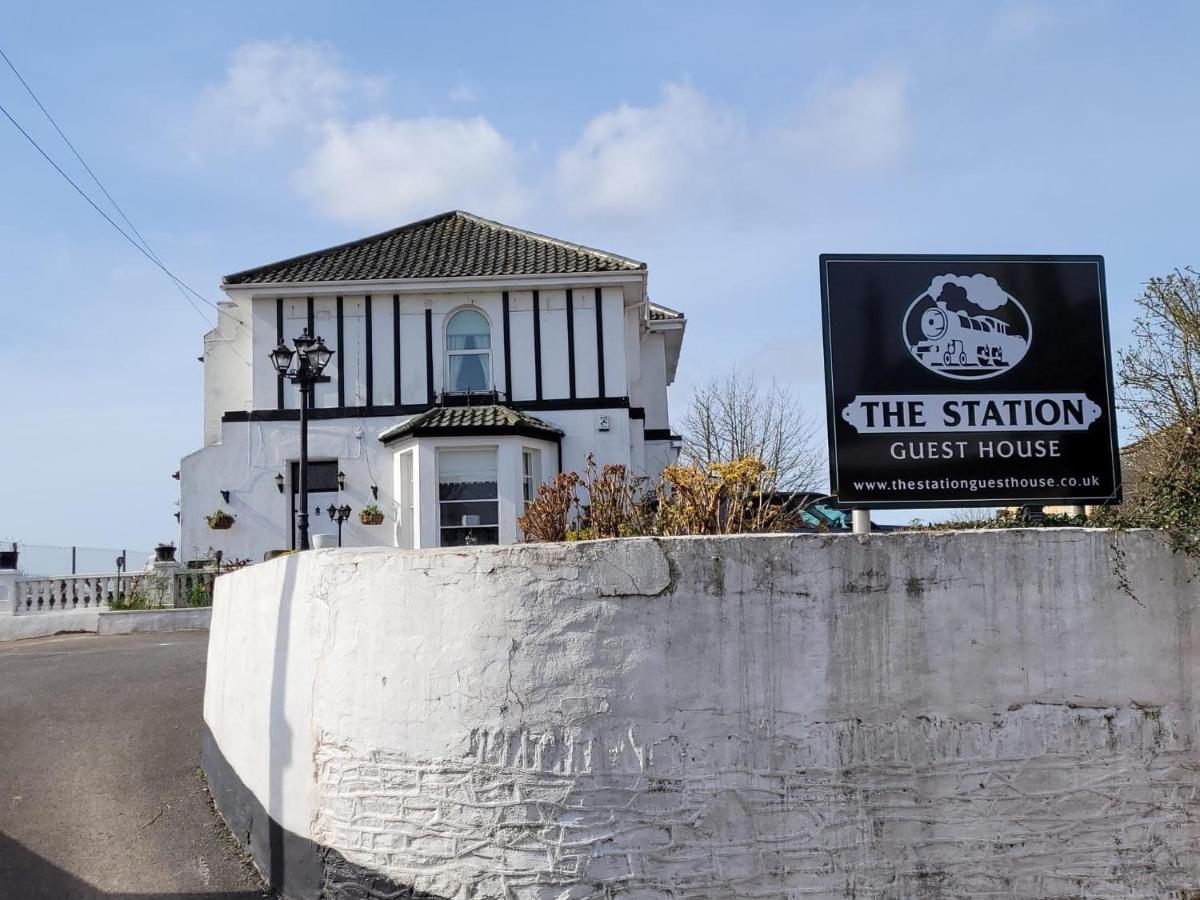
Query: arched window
point(468, 352)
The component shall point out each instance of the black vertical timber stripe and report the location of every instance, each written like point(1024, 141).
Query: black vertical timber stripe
point(455, 244)
point(508, 391)
point(369, 340)
point(279, 340)
point(599, 345)
point(537, 346)
point(396, 348)
point(571, 343)
point(341, 354)
point(429, 355)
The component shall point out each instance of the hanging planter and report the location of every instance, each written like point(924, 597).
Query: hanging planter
point(220, 520)
point(371, 515)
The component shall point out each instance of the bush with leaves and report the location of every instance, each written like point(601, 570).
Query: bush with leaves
point(1160, 398)
point(552, 511)
point(721, 498)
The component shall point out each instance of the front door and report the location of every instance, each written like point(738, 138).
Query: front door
point(322, 491)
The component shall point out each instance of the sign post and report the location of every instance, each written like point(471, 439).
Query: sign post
point(968, 381)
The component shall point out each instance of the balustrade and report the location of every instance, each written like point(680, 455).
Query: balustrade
point(145, 590)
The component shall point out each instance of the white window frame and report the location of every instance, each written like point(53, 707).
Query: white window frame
point(491, 379)
point(494, 449)
point(531, 475)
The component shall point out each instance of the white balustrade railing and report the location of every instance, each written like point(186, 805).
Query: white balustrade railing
point(68, 592)
point(140, 590)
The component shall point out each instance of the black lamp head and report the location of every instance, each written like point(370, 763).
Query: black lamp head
point(279, 481)
point(281, 358)
point(341, 477)
point(319, 356)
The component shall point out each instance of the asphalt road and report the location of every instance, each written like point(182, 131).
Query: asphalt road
point(101, 794)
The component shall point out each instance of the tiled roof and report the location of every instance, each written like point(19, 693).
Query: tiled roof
point(454, 244)
point(658, 312)
point(489, 419)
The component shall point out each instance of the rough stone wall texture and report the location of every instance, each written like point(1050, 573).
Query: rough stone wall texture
point(944, 715)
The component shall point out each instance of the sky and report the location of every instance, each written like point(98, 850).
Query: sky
point(725, 144)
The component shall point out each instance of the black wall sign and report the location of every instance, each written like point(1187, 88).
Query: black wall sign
point(968, 380)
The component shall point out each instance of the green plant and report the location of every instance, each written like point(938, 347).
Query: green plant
point(552, 511)
point(219, 519)
point(721, 498)
point(134, 598)
point(198, 593)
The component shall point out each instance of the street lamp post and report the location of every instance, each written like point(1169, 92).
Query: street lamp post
point(339, 514)
point(312, 356)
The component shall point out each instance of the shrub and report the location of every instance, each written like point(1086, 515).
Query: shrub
point(722, 498)
point(197, 594)
point(550, 514)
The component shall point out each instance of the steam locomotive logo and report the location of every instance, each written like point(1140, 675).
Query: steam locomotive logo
point(967, 327)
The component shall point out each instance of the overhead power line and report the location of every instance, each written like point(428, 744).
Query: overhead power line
point(143, 247)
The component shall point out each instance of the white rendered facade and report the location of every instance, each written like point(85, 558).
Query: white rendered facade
point(592, 362)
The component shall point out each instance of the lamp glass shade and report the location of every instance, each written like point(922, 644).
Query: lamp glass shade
point(332, 511)
point(304, 343)
point(341, 477)
point(281, 358)
point(279, 481)
point(319, 356)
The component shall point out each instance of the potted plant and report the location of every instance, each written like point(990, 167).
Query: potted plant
point(164, 553)
point(220, 520)
point(371, 514)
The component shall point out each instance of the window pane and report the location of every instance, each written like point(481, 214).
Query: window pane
point(463, 537)
point(467, 487)
point(468, 330)
point(322, 476)
point(470, 372)
point(487, 512)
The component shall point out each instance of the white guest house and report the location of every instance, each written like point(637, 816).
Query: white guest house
point(472, 362)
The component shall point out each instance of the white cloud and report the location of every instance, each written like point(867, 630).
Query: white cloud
point(682, 154)
point(856, 126)
point(273, 91)
point(637, 160)
point(688, 151)
point(383, 171)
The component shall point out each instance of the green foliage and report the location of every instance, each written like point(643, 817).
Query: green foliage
point(197, 594)
point(606, 502)
point(134, 598)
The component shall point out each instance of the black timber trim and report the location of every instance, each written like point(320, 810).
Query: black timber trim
point(412, 409)
point(279, 340)
point(508, 390)
point(537, 346)
point(476, 431)
point(312, 318)
point(599, 342)
point(577, 403)
point(429, 395)
point(637, 412)
point(661, 434)
point(341, 356)
point(396, 398)
point(571, 343)
point(370, 341)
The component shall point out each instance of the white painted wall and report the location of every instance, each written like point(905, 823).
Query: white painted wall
point(245, 457)
point(908, 715)
point(245, 463)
